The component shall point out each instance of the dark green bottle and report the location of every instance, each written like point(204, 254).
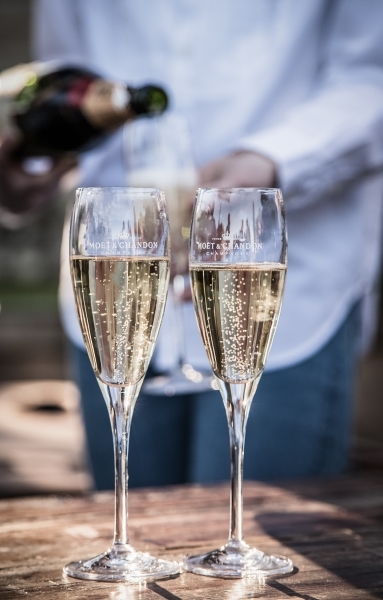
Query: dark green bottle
point(72, 109)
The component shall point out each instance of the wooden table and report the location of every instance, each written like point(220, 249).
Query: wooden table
point(332, 530)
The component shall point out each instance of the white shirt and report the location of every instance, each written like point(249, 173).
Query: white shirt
point(299, 81)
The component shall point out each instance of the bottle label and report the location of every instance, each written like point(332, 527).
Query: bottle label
point(106, 105)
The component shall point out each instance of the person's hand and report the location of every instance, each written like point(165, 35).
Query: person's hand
point(22, 193)
point(240, 169)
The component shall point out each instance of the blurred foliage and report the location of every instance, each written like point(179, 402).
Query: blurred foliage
point(35, 299)
point(31, 255)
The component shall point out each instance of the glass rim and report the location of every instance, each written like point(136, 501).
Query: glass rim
point(237, 189)
point(119, 187)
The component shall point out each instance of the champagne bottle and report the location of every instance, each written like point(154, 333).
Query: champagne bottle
point(72, 109)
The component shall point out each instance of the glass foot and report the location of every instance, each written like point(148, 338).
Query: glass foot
point(236, 560)
point(127, 565)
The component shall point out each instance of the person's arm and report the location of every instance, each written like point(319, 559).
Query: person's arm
point(336, 136)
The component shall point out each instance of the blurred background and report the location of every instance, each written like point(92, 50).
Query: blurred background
point(41, 437)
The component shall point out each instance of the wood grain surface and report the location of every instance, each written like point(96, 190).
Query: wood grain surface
point(331, 529)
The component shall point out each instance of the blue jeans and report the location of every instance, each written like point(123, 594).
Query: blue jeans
point(300, 424)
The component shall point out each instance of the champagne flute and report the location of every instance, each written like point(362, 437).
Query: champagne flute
point(119, 254)
point(237, 264)
point(158, 152)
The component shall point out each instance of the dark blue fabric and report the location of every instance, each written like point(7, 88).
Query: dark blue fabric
point(299, 424)
point(158, 449)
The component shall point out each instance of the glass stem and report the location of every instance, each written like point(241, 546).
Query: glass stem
point(237, 443)
point(181, 344)
point(120, 402)
point(237, 399)
point(178, 290)
point(121, 421)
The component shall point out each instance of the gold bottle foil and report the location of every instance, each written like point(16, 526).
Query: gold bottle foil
point(106, 104)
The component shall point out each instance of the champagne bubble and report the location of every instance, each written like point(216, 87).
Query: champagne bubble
point(120, 339)
point(236, 314)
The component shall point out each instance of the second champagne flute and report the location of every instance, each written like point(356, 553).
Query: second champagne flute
point(120, 271)
point(238, 264)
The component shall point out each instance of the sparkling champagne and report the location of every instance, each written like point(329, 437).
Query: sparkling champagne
point(120, 302)
point(237, 309)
